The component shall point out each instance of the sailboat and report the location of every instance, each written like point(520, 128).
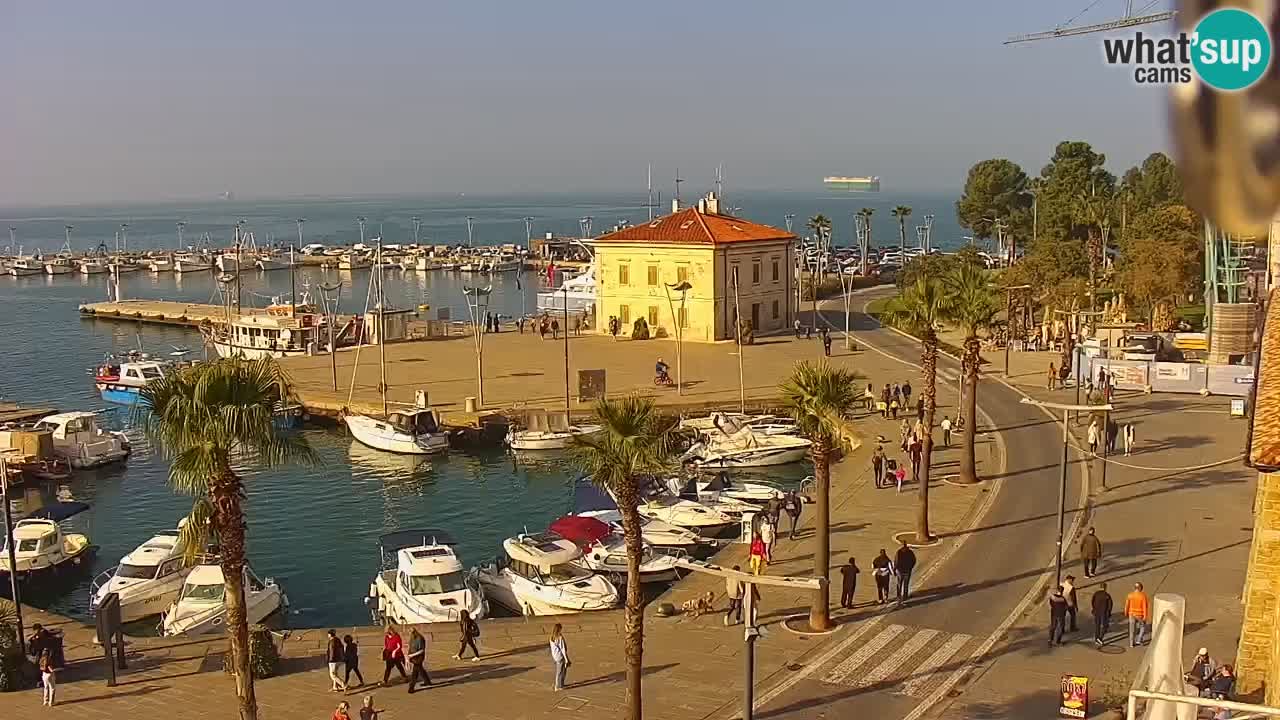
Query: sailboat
point(414, 431)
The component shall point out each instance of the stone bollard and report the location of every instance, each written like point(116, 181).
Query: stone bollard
point(471, 404)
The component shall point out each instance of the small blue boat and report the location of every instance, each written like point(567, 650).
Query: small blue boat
point(121, 383)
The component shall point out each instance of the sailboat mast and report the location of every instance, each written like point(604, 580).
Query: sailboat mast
point(566, 357)
point(382, 330)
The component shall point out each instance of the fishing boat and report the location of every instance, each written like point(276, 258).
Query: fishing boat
point(604, 551)
point(201, 606)
point(192, 262)
point(148, 579)
point(539, 575)
point(228, 263)
point(120, 383)
point(60, 265)
point(124, 265)
point(160, 264)
point(26, 266)
point(423, 581)
point(41, 547)
point(352, 261)
point(78, 439)
point(277, 333)
point(95, 265)
point(268, 261)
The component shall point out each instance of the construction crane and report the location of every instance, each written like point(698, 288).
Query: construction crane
point(1131, 18)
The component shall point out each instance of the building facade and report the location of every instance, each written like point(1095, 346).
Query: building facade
point(641, 270)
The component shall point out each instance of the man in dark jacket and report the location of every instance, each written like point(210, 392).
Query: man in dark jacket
point(1102, 606)
point(905, 563)
point(849, 583)
point(1090, 551)
point(877, 465)
point(1057, 616)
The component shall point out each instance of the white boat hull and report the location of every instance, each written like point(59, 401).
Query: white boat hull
point(59, 269)
point(397, 610)
point(756, 457)
point(260, 605)
point(143, 598)
point(379, 435)
point(23, 272)
point(181, 266)
point(225, 349)
point(527, 598)
point(545, 440)
point(159, 266)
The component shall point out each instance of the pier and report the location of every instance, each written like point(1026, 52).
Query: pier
point(159, 312)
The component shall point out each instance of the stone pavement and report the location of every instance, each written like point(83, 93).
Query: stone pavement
point(693, 666)
point(1175, 515)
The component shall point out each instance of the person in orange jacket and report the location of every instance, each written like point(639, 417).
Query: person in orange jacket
point(1137, 607)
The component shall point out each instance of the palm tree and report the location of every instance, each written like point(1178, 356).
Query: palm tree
point(637, 442)
point(820, 226)
point(972, 306)
point(902, 212)
point(866, 213)
point(920, 310)
point(821, 399)
point(211, 419)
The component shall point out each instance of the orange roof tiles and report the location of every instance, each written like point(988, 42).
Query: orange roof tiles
point(690, 227)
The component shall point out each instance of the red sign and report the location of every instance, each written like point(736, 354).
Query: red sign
point(1075, 697)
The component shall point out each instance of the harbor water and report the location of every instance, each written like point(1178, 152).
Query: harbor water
point(315, 529)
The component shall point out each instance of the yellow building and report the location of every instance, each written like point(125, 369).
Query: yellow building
point(639, 268)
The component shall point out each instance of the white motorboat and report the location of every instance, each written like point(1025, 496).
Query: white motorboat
point(690, 489)
point(689, 514)
point(653, 532)
point(192, 262)
point(422, 580)
point(160, 264)
point(42, 547)
point(77, 437)
point(760, 424)
point(550, 439)
point(538, 575)
point(26, 267)
point(411, 432)
point(148, 579)
point(730, 445)
point(93, 265)
point(228, 263)
point(201, 607)
point(605, 551)
point(578, 292)
point(60, 265)
point(722, 486)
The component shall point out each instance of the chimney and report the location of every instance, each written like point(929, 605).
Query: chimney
point(711, 205)
point(702, 206)
point(675, 205)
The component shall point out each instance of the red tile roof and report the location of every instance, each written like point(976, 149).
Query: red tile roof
point(690, 227)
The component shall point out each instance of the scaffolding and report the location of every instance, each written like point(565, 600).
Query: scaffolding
point(1225, 268)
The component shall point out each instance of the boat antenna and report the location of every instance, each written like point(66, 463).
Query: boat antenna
point(181, 224)
point(678, 181)
point(649, 201)
point(567, 411)
point(720, 181)
point(293, 268)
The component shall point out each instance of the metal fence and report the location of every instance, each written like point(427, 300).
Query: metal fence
point(1229, 380)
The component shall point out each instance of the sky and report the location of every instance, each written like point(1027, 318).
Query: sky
point(133, 101)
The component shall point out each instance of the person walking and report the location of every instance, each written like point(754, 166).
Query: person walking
point(1093, 438)
point(768, 534)
point(417, 660)
point(367, 710)
point(468, 631)
point(46, 677)
point(793, 505)
point(1102, 606)
point(905, 562)
point(1090, 552)
point(756, 559)
point(543, 328)
point(826, 342)
point(392, 654)
point(877, 466)
point(1057, 616)
point(1130, 438)
point(335, 656)
point(916, 450)
point(733, 589)
point(904, 431)
point(1137, 608)
point(848, 583)
point(882, 570)
point(560, 656)
point(906, 392)
point(351, 658)
point(946, 430)
point(920, 408)
point(1069, 592)
point(869, 397)
point(798, 326)
point(555, 329)
point(899, 475)
point(1112, 432)
point(894, 406)
point(1053, 377)
point(897, 393)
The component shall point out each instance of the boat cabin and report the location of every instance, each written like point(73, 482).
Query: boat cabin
point(40, 544)
point(159, 557)
point(72, 427)
point(417, 422)
point(545, 558)
point(273, 332)
point(424, 561)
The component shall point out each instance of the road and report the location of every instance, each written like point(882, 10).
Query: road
point(901, 663)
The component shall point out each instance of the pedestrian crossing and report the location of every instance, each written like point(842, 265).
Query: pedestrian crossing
point(902, 659)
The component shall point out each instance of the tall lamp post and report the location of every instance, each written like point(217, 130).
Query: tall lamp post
point(477, 306)
point(846, 284)
point(1062, 477)
point(331, 306)
point(683, 287)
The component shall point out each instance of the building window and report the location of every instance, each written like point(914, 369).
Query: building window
point(624, 313)
point(755, 273)
point(775, 305)
point(775, 269)
point(682, 274)
point(683, 315)
point(624, 274)
point(653, 275)
point(653, 316)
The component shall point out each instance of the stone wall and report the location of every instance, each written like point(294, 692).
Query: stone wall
point(1258, 657)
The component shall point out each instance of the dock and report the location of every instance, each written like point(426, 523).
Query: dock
point(13, 413)
point(158, 312)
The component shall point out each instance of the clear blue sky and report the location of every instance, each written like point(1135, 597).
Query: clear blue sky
point(137, 101)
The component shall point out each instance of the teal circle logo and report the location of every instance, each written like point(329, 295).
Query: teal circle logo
point(1231, 49)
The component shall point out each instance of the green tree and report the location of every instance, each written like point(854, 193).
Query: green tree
point(636, 442)
point(821, 400)
point(1152, 184)
point(902, 212)
point(994, 189)
point(920, 310)
point(1161, 256)
point(209, 420)
point(1074, 169)
point(1093, 213)
point(973, 306)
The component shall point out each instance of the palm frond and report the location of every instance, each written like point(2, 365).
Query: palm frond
point(636, 441)
point(197, 533)
point(821, 398)
point(921, 307)
point(973, 304)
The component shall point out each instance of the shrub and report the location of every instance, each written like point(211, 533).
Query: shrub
point(16, 671)
point(640, 329)
point(264, 656)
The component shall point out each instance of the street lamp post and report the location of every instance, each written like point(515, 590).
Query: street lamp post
point(477, 307)
point(1062, 477)
point(676, 320)
point(469, 219)
point(846, 284)
point(331, 304)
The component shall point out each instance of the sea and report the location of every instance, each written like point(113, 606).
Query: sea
point(315, 529)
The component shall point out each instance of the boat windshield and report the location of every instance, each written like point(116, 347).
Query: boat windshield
point(565, 572)
point(151, 373)
point(204, 593)
point(431, 584)
point(141, 572)
point(28, 545)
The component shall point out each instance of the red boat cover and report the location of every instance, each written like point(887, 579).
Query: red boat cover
point(581, 531)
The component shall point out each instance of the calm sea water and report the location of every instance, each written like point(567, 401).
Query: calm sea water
point(315, 529)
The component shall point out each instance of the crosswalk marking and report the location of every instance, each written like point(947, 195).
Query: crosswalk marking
point(863, 654)
point(923, 674)
point(913, 645)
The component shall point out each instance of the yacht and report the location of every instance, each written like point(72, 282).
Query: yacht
point(42, 547)
point(26, 267)
point(707, 522)
point(191, 262)
point(548, 439)
point(604, 551)
point(201, 605)
point(422, 580)
point(412, 432)
point(692, 489)
point(578, 292)
point(760, 424)
point(147, 580)
point(93, 265)
point(654, 532)
point(721, 486)
point(60, 265)
point(121, 383)
point(77, 437)
point(730, 445)
point(539, 575)
point(277, 333)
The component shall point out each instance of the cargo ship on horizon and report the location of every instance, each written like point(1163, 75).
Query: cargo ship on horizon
point(870, 183)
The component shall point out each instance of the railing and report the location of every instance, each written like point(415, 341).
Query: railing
point(1248, 710)
point(103, 578)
